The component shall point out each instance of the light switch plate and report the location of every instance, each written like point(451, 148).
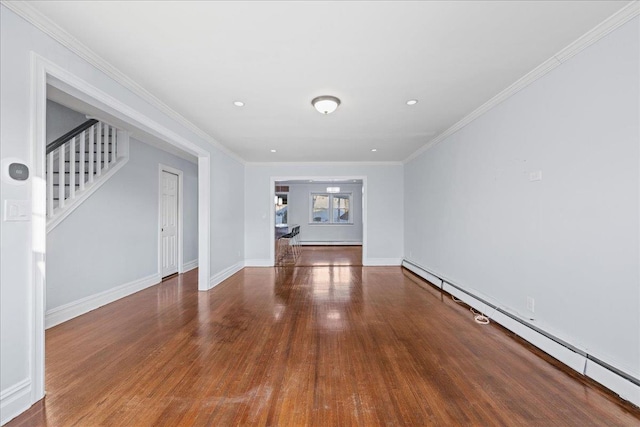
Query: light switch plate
point(17, 210)
point(535, 176)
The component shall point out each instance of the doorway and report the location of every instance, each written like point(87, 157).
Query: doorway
point(46, 73)
point(330, 213)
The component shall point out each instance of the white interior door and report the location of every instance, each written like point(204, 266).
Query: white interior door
point(169, 223)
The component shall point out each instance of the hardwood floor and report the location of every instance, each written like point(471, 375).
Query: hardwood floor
point(316, 346)
point(315, 256)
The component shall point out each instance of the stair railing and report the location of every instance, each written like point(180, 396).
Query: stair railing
point(84, 154)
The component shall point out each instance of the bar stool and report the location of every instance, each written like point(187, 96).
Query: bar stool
point(289, 240)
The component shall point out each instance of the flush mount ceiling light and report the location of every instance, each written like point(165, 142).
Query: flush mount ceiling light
point(273, 151)
point(374, 150)
point(412, 102)
point(325, 104)
point(238, 103)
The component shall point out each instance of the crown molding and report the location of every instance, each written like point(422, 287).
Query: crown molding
point(616, 20)
point(381, 163)
point(46, 25)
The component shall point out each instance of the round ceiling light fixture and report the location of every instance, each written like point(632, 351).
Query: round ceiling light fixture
point(412, 102)
point(238, 103)
point(325, 104)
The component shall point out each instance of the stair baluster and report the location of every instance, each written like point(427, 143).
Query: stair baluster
point(82, 154)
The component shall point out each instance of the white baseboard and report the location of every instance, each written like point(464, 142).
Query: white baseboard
point(258, 263)
point(15, 400)
point(225, 274)
point(424, 274)
point(379, 262)
point(624, 388)
point(61, 314)
point(577, 360)
point(342, 243)
point(190, 265)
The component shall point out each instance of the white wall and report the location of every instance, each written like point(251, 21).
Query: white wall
point(298, 213)
point(384, 205)
point(18, 39)
point(111, 239)
point(61, 120)
point(570, 241)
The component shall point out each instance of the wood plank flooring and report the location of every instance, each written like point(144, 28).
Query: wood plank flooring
point(315, 256)
point(305, 346)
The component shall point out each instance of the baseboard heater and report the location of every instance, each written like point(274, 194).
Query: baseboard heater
point(429, 275)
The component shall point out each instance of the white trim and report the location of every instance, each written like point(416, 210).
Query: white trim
point(204, 221)
point(179, 173)
point(389, 163)
point(225, 274)
point(81, 196)
point(272, 221)
point(433, 280)
point(625, 389)
point(331, 197)
point(65, 312)
point(46, 25)
point(380, 262)
point(15, 400)
point(576, 360)
point(45, 72)
point(340, 243)
point(258, 263)
point(190, 265)
point(610, 24)
point(39, 224)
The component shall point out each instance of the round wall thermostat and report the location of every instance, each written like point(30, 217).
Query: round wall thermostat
point(14, 171)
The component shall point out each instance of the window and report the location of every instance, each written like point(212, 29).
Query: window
point(341, 213)
point(331, 208)
point(320, 208)
point(282, 210)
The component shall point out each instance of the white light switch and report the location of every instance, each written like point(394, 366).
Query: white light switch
point(535, 176)
point(17, 210)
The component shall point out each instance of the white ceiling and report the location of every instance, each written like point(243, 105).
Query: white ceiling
point(198, 57)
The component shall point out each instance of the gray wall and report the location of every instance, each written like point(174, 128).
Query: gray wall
point(18, 41)
point(61, 120)
point(299, 205)
point(570, 241)
point(112, 238)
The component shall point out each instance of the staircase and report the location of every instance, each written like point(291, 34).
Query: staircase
point(79, 162)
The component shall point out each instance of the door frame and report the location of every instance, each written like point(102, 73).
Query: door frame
point(43, 72)
point(179, 173)
point(272, 219)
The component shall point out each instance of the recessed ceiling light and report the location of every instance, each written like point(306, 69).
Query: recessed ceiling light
point(374, 149)
point(412, 102)
point(238, 103)
point(273, 151)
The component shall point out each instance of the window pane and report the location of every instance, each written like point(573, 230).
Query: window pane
point(341, 208)
point(320, 208)
point(282, 211)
